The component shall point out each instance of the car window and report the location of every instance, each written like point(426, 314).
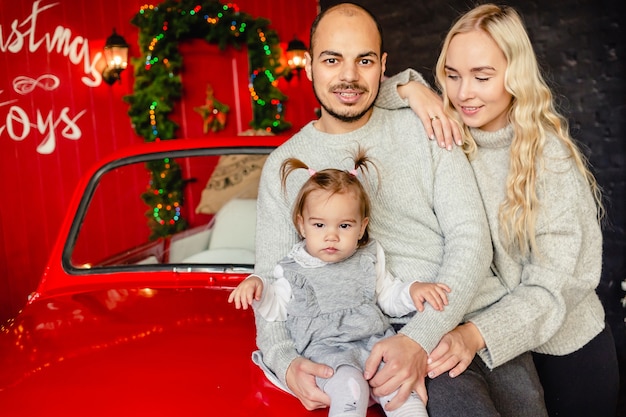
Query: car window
point(132, 216)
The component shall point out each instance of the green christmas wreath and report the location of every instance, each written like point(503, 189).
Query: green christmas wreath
point(158, 85)
point(157, 81)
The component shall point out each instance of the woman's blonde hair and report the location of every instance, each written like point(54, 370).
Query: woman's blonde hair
point(532, 113)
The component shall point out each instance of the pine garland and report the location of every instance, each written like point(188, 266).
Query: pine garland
point(158, 86)
point(157, 82)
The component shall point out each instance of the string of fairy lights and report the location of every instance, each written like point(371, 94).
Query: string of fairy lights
point(158, 85)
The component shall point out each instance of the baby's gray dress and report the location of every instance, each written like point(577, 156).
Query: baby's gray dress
point(333, 316)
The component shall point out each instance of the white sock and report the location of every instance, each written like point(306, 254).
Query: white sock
point(349, 393)
point(413, 407)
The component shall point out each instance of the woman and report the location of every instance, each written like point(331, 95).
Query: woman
point(544, 211)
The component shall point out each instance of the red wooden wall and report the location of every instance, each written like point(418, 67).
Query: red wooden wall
point(57, 116)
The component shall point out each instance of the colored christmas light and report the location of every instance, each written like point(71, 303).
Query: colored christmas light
point(157, 83)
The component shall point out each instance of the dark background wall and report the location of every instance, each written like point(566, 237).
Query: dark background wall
point(578, 44)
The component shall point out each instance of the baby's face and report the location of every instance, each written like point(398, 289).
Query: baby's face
point(332, 225)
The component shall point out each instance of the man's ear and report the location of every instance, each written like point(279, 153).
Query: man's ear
point(383, 66)
point(307, 66)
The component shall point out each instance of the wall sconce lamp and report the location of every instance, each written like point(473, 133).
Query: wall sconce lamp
point(295, 57)
point(116, 58)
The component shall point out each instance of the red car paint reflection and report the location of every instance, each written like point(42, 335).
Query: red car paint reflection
point(139, 327)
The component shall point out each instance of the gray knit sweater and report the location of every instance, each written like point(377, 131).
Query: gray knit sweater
point(546, 302)
point(426, 213)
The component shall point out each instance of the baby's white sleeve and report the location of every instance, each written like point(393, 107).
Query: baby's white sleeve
point(273, 303)
point(392, 295)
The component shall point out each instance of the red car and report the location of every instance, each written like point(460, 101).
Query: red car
point(131, 315)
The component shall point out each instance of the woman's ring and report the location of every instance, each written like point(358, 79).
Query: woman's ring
point(434, 118)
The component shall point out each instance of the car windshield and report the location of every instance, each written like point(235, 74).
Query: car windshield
point(189, 208)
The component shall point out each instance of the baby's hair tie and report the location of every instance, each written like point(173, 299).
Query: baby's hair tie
point(312, 172)
point(353, 172)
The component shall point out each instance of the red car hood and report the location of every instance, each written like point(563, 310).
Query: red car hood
point(135, 352)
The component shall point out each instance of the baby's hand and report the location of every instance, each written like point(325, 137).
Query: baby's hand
point(435, 294)
point(248, 290)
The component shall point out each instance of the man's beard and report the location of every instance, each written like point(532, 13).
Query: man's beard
point(347, 118)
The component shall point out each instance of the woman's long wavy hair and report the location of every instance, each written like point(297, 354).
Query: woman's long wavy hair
point(532, 113)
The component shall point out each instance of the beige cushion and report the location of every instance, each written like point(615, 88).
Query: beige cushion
point(232, 237)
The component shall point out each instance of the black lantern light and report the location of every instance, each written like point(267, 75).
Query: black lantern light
point(116, 57)
point(295, 57)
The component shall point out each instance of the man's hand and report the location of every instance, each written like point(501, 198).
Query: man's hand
point(428, 106)
point(404, 369)
point(455, 351)
point(300, 380)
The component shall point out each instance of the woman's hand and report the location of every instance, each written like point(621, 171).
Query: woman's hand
point(428, 106)
point(455, 351)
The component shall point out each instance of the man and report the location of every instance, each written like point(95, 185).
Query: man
point(426, 209)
